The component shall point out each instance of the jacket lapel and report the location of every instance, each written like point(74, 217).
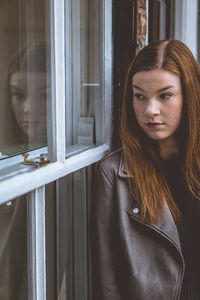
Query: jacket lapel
point(165, 224)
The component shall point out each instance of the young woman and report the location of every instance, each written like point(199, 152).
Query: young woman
point(146, 214)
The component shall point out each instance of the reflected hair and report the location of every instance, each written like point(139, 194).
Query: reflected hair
point(141, 154)
point(31, 58)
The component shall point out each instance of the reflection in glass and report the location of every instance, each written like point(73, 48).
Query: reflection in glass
point(67, 214)
point(28, 87)
point(24, 71)
point(73, 204)
point(13, 250)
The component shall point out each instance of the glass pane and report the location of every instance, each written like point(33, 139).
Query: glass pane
point(67, 207)
point(161, 19)
point(13, 250)
point(25, 72)
point(84, 106)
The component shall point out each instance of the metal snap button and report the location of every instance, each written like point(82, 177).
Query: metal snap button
point(136, 210)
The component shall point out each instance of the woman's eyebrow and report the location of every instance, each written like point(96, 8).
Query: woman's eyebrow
point(137, 87)
point(165, 88)
point(160, 90)
point(16, 88)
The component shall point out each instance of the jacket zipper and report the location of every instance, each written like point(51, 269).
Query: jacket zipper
point(182, 271)
point(181, 282)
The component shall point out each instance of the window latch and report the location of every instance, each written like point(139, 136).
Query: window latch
point(38, 163)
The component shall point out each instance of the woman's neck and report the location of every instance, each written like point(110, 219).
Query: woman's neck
point(168, 148)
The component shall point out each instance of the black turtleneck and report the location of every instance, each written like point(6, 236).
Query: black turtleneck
point(188, 228)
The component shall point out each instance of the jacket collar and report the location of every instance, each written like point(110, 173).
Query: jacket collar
point(165, 224)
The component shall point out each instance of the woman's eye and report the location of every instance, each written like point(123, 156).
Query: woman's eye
point(139, 96)
point(165, 96)
point(19, 96)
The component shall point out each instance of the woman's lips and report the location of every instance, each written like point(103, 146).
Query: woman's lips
point(155, 125)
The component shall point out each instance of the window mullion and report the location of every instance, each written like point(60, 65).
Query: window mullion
point(36, 245)
point(56, 109)
point(107, 69)
point(68, 74)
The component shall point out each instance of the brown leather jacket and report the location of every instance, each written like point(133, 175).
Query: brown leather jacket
point(130, 260)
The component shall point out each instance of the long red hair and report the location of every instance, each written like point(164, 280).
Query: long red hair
point(141, 154)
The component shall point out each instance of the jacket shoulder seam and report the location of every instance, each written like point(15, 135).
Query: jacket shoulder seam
point(111, 154)
point(104, 173)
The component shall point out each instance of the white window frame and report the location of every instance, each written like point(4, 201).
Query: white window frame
point(17, 179)
point(163, 7)
point(186, 23)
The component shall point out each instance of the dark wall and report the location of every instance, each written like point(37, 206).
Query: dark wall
point(124, 50)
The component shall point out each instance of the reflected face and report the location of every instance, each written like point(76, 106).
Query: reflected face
point(28, 100)
point(157, 103)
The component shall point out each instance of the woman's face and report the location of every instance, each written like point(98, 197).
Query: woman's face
point(28, 100)
point(157, 103)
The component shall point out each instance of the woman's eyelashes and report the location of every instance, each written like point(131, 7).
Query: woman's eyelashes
point(18, 96)
point(166, 96)
point(17, 93)
point(139, 96)
point(163, 96)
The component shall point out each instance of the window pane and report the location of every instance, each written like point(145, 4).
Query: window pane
point(67, 210)
point(25, 72)
point(13, 250)
point(84, 106)
point(73, 237)
point(161, 19)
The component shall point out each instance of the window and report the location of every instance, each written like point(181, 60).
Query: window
point(161, 19)
point(186, 23)
point(69, 122)
point(25, 73)
point(85, 89)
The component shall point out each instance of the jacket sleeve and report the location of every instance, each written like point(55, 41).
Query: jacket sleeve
point(104, 239)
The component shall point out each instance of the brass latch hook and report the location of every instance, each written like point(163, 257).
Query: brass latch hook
point(39, 163)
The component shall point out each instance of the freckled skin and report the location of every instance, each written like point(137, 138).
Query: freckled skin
point(157, 103)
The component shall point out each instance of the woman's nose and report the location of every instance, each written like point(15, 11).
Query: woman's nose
point(152, 108)
point(26, 107)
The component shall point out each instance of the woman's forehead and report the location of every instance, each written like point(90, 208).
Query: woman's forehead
point(23, 79)
point(158, 76)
